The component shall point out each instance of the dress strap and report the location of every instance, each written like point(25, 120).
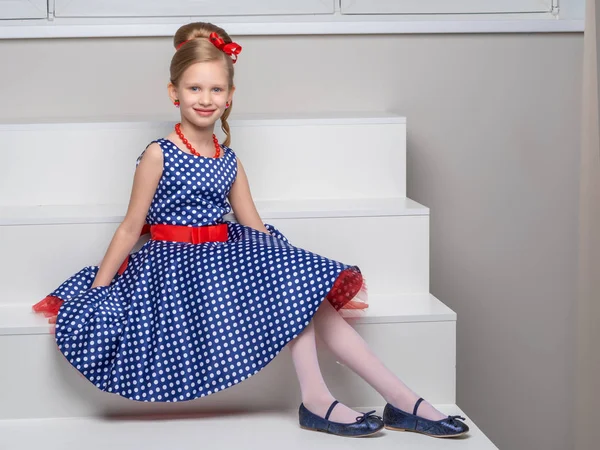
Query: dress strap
point(158, 141)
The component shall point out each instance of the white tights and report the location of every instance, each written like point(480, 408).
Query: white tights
point(352, 351)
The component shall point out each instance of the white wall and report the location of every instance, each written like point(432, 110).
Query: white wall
point(493, 149)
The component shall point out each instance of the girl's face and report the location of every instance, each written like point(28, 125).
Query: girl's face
point(203, 92)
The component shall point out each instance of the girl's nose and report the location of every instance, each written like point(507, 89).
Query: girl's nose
point(204, 99)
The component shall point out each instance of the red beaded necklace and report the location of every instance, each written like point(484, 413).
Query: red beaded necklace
point(192, 149)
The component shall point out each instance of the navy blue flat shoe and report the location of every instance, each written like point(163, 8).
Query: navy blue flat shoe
point(365, 425)
point(396, 419)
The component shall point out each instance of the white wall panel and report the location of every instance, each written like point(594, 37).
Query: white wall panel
point(443, 6)
point(161, 8)
point(23, 9)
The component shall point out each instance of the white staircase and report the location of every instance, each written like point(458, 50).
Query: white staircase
point(334, 185)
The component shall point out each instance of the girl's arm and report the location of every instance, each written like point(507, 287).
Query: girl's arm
point(145, 181)
point(242, 202)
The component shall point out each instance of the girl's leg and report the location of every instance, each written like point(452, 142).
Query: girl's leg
point(352, 351)
point(315, 393)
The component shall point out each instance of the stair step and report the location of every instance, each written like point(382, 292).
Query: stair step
point(19, 319)
point(268, 209)
point(236, 120)
point(264, 430)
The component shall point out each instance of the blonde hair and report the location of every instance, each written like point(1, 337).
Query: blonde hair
point(193, 46)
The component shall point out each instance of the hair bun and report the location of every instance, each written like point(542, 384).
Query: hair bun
point(196, 30)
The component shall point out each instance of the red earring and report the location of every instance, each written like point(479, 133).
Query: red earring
point(176, 103)
point(227, 105)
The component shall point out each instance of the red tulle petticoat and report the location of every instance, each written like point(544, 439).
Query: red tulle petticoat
point(49, 307)
point(349, 291)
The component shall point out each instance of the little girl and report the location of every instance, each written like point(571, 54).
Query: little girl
point(207, 303)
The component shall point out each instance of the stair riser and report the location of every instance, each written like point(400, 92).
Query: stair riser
point(392, 252)
point(422, 354)
point(94, 163)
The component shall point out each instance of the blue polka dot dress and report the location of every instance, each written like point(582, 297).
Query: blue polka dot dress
point(187, 320)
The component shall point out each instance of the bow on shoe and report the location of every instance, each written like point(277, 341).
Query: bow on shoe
point(232, 49)
point(365, 416)
point(451, 420)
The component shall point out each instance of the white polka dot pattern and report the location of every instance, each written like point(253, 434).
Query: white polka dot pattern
point(192, 190)
point(188, 320)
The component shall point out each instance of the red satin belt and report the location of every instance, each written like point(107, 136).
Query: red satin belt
point(182, 233)
point(193, 235)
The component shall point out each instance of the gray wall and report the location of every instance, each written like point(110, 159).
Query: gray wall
point(493, 130)
point(588, 310)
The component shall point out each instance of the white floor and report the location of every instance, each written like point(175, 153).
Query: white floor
point(275, 430)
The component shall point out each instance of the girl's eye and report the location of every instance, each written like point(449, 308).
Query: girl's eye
point(193, 88)
point(217, 89)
